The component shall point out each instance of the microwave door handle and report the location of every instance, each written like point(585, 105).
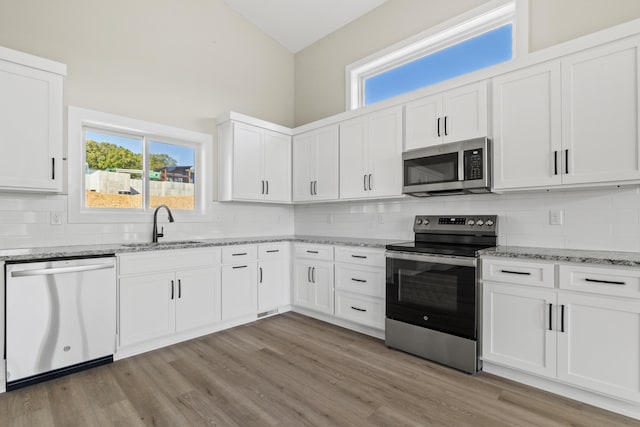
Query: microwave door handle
point(461, 165)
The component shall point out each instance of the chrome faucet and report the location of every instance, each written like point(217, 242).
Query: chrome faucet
point(155, 223)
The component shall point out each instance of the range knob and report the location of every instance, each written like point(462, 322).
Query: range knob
point(489, 222)
point(425, 221)
point(479, 223)
point(418, 221)
point(471, 223)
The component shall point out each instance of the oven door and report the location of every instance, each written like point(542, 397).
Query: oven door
point(435, 292)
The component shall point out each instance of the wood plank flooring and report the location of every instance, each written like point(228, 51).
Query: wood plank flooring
point(289, 370)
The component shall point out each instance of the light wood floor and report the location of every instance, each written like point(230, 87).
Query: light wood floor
point(288, 370)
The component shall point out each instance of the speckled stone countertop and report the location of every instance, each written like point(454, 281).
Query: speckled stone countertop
point(29, 254)
point(631, 259)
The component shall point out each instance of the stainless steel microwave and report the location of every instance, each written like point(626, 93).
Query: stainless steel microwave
point(454, 168)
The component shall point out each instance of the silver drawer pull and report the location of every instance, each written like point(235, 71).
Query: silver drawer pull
point(358, 309)
point(608, 282)
point(358, 280)
point(239, 254)
point(312, 252)
point(359, 256)
point(523, 273)
point(273, 250)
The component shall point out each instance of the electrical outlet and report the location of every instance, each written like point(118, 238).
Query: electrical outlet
point(555, 217)
point(56, 218)
point(330, 219)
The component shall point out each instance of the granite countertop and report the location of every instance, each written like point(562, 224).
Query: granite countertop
point(29, 254)
point(631, 259)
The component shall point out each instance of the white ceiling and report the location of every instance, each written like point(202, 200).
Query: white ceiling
point(298, 23)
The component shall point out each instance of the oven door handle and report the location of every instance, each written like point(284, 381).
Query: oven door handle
point(448, 260)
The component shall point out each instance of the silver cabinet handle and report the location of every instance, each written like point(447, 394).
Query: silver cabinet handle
point(179, 288)
point(315, 188)
point(566, 161)
point(267, 181)
point(562, 318)
point(260, 281)
point(365, 181)
point(550, 316)
point(445, 126)
point(313, 274)
point(309, 274)
point(262, 187)
point(172, 289)
point(58, 270)
point(438, 126)
point(370, 186)
point(311, 187)
point(555, 162)
point(53, 168)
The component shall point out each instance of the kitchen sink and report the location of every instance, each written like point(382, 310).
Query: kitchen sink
point(160, 244)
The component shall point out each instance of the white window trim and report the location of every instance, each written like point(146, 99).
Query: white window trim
point(79, 118)
point(478, 20)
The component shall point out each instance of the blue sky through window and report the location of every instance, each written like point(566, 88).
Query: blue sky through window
point(482, 51)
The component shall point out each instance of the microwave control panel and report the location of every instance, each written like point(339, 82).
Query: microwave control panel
point(473, 160)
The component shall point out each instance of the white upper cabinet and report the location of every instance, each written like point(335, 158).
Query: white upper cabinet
point(255, 163)
point(30, 122)
point(600, 92)
point(455, 115)
point(315, 165)
point(569, 122)
point(371, 155)
point(527, 127)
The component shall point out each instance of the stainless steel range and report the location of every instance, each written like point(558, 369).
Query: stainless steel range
point(432, 288)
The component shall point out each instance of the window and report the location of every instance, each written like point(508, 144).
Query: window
point(121, 169)
point(483, 37)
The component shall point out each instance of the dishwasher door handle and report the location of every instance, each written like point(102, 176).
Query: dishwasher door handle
point(58, 270)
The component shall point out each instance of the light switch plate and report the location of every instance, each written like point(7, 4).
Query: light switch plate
point(555, 217)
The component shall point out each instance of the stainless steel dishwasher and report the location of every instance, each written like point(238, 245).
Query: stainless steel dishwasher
point(60, 318)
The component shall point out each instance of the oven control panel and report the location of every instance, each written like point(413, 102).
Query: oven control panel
point(487, 224)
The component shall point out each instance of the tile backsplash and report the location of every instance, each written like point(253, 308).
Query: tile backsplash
point(592, 219)
point(25, 221)
point(605, 219)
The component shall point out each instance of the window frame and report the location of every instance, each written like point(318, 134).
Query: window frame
point(489, 16)
point(79, 120)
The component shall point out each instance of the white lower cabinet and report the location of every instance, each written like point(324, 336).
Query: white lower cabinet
point(164, 293)
point(273, 276)
point(585, 339)
point(239, 282)
point(313, 287)
point(515, 328)
point(360, 309)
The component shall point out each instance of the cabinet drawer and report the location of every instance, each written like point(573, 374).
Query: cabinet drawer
point(518, 272)
point(361, 256)
point(361, 280)
point(600, 280)
point(156, 261)
point(240, 253)
point(272, 250)
point(360, 309)
point(323, 252)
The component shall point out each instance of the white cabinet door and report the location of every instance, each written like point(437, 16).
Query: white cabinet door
point(30, 128)
point(147, 309)
point(271, 284)
point(248, 183)
point(465, 113)
point(423, 123)
point(301, 284)
point(304, 165)
point(239, 290)
point(354, 158)
point(516, 328)
point(277, 166)
point(600, 346)
point(385, 153)
point(527, 127)
point(321, 287)
point(197, 298)
point(600, 113)
point(326, 165)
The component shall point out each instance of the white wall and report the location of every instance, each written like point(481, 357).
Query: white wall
point(174, 62)
point(320, 68)
point(593, 219)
